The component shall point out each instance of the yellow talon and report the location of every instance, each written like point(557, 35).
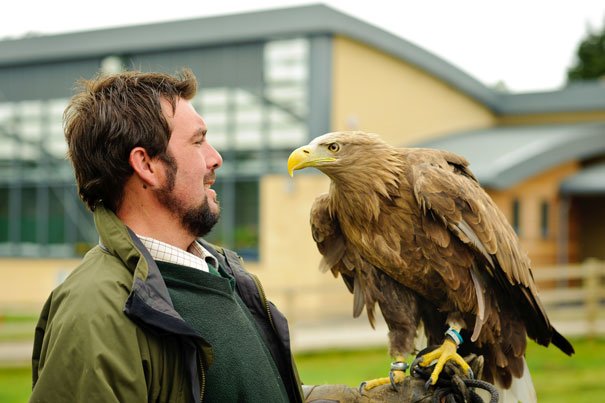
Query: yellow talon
point(396, 376)
point(446, 352)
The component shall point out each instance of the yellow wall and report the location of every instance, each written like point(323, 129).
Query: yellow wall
point(289, 259)
point(284, 224)
point(376, 92)
point(531, 193)
point(26, 283)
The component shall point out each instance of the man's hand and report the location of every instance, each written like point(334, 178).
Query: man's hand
point(411, 390)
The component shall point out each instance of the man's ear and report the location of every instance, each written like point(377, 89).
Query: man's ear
point(145, 167)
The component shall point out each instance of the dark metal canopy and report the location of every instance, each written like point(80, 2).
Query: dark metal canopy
point(589, 181)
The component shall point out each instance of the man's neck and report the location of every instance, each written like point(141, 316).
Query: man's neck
point(156, 224)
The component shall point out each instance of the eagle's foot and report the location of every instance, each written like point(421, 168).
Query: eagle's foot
point(396, 376)
point(446, 352)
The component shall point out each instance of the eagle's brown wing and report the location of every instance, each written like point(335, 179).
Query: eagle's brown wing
point(457, 199)
point(444, 187)
point(357, 274)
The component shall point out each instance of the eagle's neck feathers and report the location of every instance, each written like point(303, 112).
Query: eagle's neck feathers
point(355, 190)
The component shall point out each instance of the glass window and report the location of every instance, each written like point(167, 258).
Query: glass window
point(55, 144)
point(516, 222)
point(3, 214)
point(37, 215)
point(544, 219)
point(28, 215)
point(238, 226)
point(56, 216)
point(254, 125)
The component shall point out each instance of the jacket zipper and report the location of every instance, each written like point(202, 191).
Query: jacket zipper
point(264, 300)
point(202, 376)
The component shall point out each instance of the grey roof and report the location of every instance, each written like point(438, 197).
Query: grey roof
point(246, 27)
point(586, 96)
point(589, 181)
point(503, 156)
point(305, 20)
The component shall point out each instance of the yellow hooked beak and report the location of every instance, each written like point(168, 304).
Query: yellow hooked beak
point(307, 156)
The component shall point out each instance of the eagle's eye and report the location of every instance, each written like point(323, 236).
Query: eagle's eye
point(334, 147)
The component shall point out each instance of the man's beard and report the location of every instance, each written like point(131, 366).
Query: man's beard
point(197, 220)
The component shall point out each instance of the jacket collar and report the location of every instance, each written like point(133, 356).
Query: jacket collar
point(149, 302)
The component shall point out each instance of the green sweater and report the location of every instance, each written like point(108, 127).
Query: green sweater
point(243, 369)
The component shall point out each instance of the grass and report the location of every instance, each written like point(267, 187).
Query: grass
point(557, 378)
point(342, 367)
point(561, 379)
point(15, 385)
point(17, 327)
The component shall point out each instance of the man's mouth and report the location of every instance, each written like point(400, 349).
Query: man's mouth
point(209, 180)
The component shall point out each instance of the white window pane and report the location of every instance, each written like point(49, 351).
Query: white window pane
point(288, 137)
point(218, 139)
point(250, 139)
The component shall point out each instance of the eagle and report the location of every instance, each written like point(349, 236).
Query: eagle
point(412, 230)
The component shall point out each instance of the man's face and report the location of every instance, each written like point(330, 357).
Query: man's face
point(189, 164)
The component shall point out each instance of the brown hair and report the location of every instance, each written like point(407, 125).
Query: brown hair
point(109, 116)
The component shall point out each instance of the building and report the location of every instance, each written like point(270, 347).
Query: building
point(270, 81)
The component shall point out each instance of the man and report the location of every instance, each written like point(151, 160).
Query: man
point(151, 314)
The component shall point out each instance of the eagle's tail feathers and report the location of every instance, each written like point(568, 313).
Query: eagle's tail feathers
point(522, 389)
point(561, 342)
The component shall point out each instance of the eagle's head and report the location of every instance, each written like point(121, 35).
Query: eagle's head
point(333, 152)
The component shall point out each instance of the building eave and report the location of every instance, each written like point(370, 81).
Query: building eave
point(236, 28)
point(307, 20)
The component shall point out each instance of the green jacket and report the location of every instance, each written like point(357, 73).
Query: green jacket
point(109, 333)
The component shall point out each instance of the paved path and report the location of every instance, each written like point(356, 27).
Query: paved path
point(344, 334)
point(338, 334)
point(15, 353)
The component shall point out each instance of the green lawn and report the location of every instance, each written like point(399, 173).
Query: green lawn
point(15, 385)
point(557, 378)
point(17, 327)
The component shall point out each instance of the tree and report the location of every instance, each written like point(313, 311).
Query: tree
point(590, 64)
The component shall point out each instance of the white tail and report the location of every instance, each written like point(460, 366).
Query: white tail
point(522, 390)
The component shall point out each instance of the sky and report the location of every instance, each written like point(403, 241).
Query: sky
point(526, 44)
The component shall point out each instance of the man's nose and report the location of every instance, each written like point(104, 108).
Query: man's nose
point(214, 158)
